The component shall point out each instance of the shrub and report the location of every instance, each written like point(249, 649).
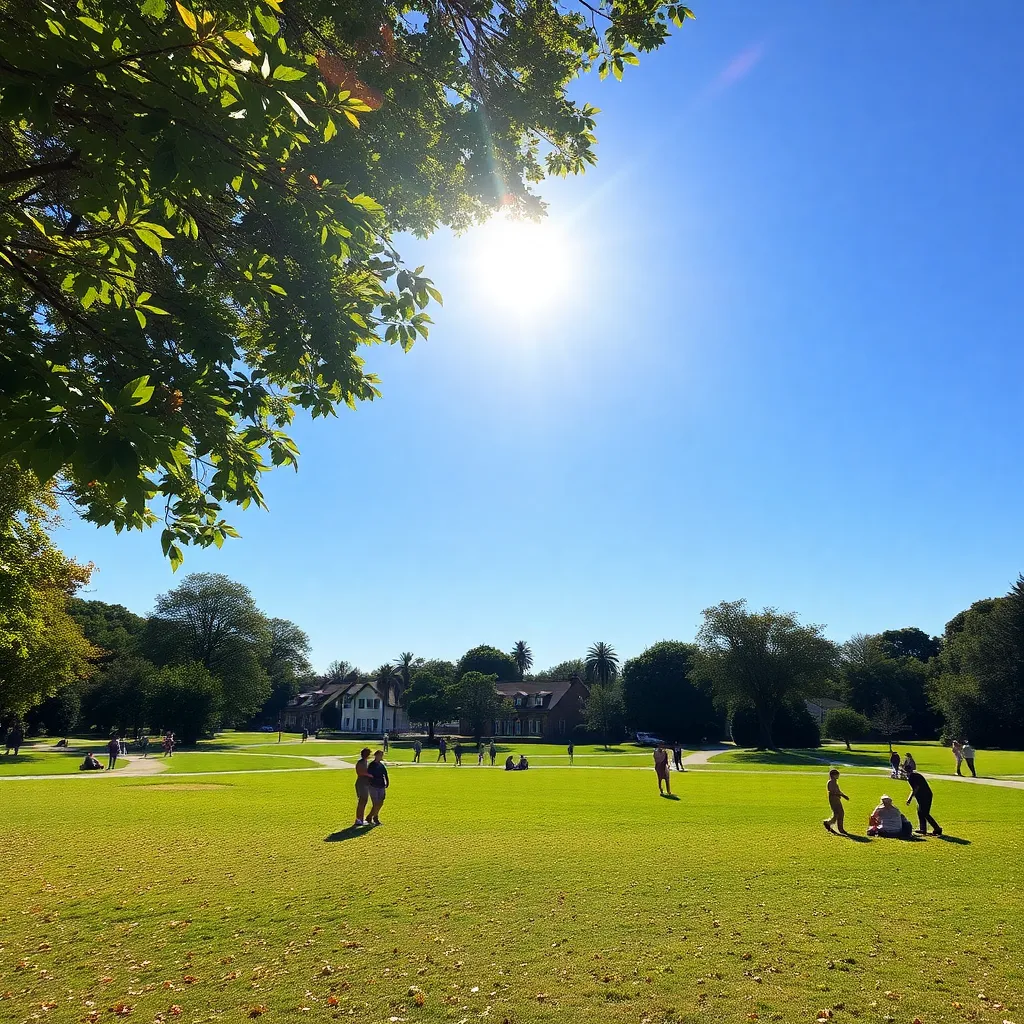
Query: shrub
point(846, 724)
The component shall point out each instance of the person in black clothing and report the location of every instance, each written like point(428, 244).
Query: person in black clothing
point(442, 750)
point(510, 763)
point(458, 753)
point(379, 783)
point(113, 749)
point(920, 790)
point(677, 755)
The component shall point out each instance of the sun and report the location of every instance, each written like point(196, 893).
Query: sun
point(521, 266)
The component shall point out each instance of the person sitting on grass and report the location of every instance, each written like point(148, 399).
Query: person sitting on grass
point(510, 764)
point(835, 800)
point(90, 764)
point(888, 821)
point(523, 763)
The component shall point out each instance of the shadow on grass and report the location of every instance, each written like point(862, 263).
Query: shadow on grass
point(955, 840)
point(352, 832)
point(804, 758)
point(857, 839)
point(668, 796)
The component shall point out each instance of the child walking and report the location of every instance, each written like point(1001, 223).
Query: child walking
point(835, 800)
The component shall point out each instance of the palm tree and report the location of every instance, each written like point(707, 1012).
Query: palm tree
point(523, 657)
point(406, 663)
point(385, 677)
point(602, 663)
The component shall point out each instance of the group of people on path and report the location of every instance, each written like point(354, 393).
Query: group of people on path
point(886, 819)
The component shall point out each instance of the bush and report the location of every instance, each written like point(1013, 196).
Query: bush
point(846, 724)
point(794, 727)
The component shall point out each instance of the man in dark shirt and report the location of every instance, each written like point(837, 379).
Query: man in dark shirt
point(920, 790)
point(379, 783)
point(458, 753)
point(113, 749)
point(442, 750)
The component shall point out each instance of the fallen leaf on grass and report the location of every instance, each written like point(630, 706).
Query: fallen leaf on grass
point(332, 1000)
point(190, 979)
point(420, 999)
point(824, 1015)
point(121, 1009)
point(258, 1010)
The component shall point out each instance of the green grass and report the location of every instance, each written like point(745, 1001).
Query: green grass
point(546, 896)
point(49, 762)
point(188, 761)
point(930, 757)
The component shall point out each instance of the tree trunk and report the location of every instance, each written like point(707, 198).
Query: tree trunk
point(764, 726)
point(430, 732)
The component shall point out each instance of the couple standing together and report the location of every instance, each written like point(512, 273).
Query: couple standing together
point(371, 785)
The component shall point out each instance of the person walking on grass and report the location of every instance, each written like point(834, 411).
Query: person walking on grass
point(144, 744)
point(417, 749)
point(958, 753)
point(968, 751)
point(113, 749)
point(442, 750)
point(661, 770)
point(572, 751)
point(677, 755)
point(363, 781)
point(922, 792)
point(458, 752)
point(835, 800)
point(379, 783)
point(894, 765)
point(480, 755)
point(493, 751)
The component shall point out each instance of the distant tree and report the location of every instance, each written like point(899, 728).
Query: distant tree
point(407, 664)
point(980, 690)
point(187, 700)
point(574, 668)
point(340, 672)
point(429, 699)
point(847, 725)
point(888, 721)
point(523, 657)
point(909, 642)
point(42, 649)
point(602, 663)
point(213, 620)
point(487, 661)
point(760, 660)
point(286, 663)
point(388, 678)
point(478, 702)
point(438, 667)
point(793, 727)
point(660, 698)
point(117, 698)
point(111, 628)
point(603, 711)
point(60, 713)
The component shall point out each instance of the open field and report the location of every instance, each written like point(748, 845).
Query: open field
point(532, 897)
point(32, 761)
point(930, 757)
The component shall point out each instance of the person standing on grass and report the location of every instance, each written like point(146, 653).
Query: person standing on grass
point(894, 765)
point(144, 744)
point(387, 743)
point(958, 753)
point(442, 750)
point(363, 782)
point(417, 749)
point(572, 751)
point(113, 749)
point(458, 752)
point(967, 750)
point(305, 735)
point(835, 800)
point(480, 754)
point(661, 769)
point(493, 751)
point(922, 792)
point(15, 738)
point(677, 755)
point(379, 783)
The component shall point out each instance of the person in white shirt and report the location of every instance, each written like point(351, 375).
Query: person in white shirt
point(890, 819)
point(968, 752)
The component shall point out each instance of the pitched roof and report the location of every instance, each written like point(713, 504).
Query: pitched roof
point(555, 689)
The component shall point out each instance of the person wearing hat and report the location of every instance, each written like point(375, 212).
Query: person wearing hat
point(887, 820)
point(363, 782)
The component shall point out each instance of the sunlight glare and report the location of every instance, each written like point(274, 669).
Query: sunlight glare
point(521, 266)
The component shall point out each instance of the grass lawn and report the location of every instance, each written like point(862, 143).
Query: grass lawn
point(930, 757)
point(49, 762)
point(534, 897)
point(188, 761)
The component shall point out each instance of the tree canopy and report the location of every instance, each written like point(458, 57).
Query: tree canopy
point(488, 661)
point(198, 203)
point(759, 660)
point(429, 700)
point(477, 702)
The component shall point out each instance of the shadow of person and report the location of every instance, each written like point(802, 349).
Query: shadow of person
point(955, 840)
point(669, 796)
point(352, 832)
point(855, 838)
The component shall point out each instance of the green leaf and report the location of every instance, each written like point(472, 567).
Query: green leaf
point(243, 42)
point(155, 9)
point(91, 23)
point(268, 22)
point(284, 73)
point(141, 317)
point(136, 392)
point(277, 289)
point(175, 556)
point(151, 239)
point(186, 16)
point(330, 129)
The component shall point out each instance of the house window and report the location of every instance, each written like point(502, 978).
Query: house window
point(362, 702)
point(518, 702)
point(519, 727)
point(348, 702)
point(359, 725)
point(373, 725)
point(376, 703)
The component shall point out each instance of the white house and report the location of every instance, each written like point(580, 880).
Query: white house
point(358, 708)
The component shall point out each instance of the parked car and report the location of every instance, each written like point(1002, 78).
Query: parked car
point(648, 739)
point(268, 728)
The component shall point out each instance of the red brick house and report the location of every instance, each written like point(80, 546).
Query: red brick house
point(547, 710)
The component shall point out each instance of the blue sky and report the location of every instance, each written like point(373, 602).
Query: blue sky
point(786, 367)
